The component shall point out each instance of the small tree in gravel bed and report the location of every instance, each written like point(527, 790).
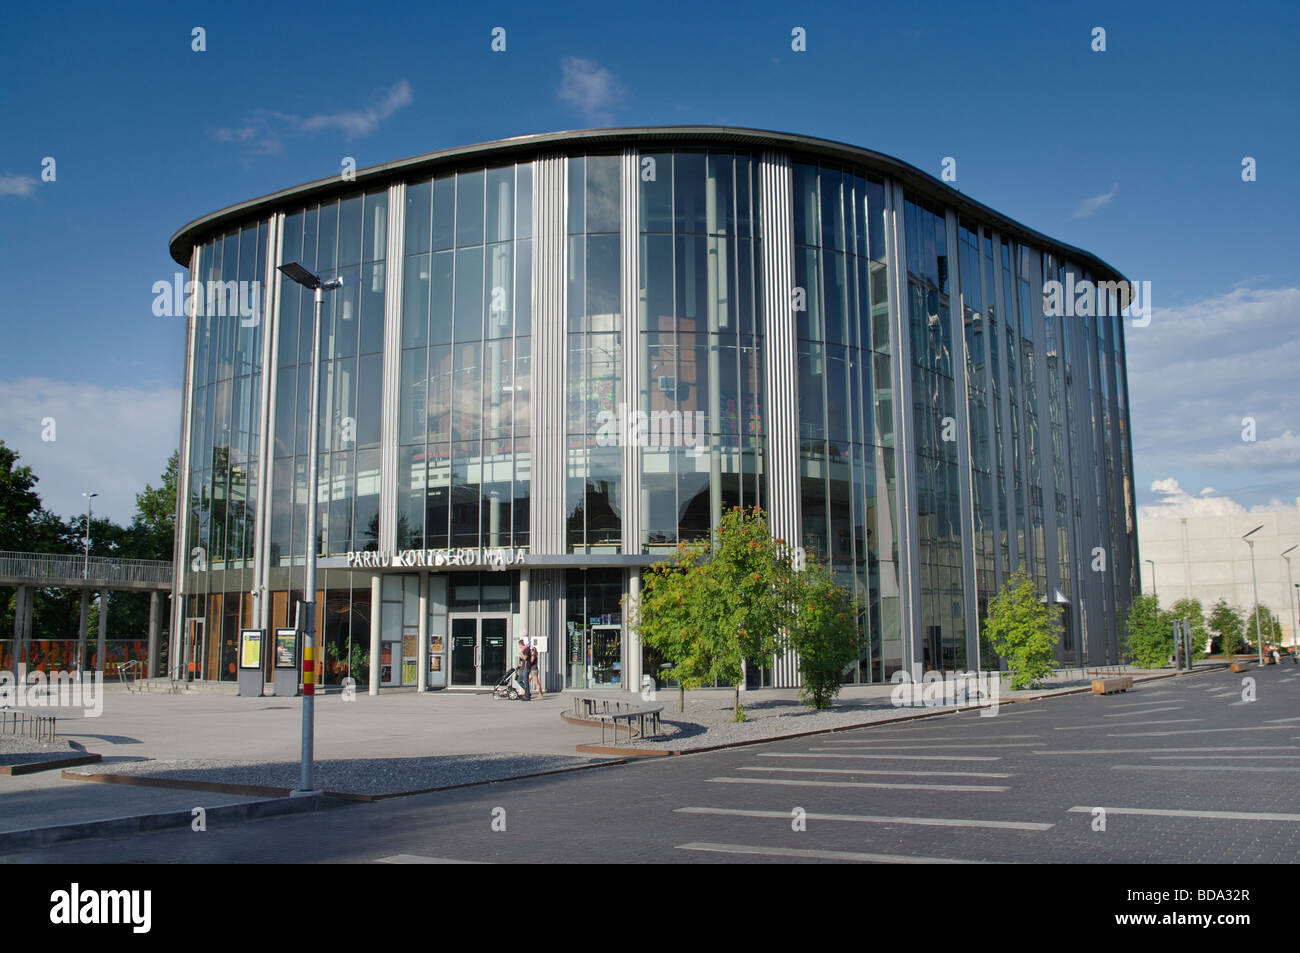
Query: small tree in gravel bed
point(713, 606)
point(1023, 630)
point(823, 630)
point(1148, 633)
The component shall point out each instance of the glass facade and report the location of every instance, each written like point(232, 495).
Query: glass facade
point(648, 274)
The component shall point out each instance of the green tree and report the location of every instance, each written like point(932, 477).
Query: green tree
point(1023, 630)
point(712, 607)
point(20, 506)
point(1270, 628)
point(1226, 623)
point(1190, 609)
point(153, 528)
point(823, 630)
point(1148, 633)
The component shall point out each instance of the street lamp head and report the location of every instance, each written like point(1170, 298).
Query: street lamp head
point(1285, 551)
point(308, 278)
point(92, 495)
point(301, 274)
point(1252, 533)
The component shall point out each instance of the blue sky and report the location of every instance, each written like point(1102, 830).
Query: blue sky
point(1133, 153)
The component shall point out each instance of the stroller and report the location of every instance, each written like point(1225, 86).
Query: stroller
point(508, 687)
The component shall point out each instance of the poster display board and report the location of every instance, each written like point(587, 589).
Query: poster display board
point(286, 662)
point(250, 679)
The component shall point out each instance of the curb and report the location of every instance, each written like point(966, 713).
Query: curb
point(143, 823)
point(31, 767)
point(217, 787)
point(675, 752)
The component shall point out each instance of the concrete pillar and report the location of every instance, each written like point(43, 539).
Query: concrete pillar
point(151, 665)
point(103, 630)
point(422, 649)
point(633, 664)
point(523, 615)
point(20, 629)
point(82, 627)
point(376, 619)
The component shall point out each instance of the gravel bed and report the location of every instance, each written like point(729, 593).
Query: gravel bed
point(356, 775)
point(25, 750)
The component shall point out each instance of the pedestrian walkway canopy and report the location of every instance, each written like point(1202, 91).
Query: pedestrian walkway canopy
point(77, 572)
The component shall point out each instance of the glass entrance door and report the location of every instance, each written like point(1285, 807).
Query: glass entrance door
point(480, 650)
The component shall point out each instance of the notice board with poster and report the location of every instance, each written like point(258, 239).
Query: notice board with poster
point(250, 679)
point(286, 662)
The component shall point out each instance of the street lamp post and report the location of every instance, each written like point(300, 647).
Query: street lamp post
point(85, 569)
point(308, 279)
point(1259, 641)
point(1290, 591)
point(1155, 595)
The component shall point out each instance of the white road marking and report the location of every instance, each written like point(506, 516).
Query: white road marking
point(1194, 731)
point(921, 774)
point(1204, 767)
point(930, 747)
point(1273, 721)
point(420, 859)
point(1128, 704)
point(862, 784)
point(1225, 757)
point(834, 741)
point(1149, 711)
point(1135, 724)
point(1227, 695)
point(1168, 750)
point(821, 854)
point(886, 757)
point(875, 819)
point(1205, 815)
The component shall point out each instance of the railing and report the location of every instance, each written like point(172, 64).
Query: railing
point(108, 569)
point(22, 725)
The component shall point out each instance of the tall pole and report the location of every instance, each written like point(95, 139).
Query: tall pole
point(309, 583)
point(1259, 640)
point(1155, 595)
point(1290, 591)
point(85, 568)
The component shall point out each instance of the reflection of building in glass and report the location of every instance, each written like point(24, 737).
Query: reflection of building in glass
point(818, 329)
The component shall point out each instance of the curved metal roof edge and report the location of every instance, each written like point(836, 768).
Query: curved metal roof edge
point(187, 236)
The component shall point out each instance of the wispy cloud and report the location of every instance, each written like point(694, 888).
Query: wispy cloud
point(17, 185)
point(1095, 203)
point(589, 88)
point(264, 132)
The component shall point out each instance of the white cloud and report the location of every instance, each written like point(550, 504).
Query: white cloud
point(265, 130)
point(589, 88)
point(1275, 453)
point(1175, 501)
point(1198, 370)
point(1095, 203)
point(112, 440)
point(17, 185)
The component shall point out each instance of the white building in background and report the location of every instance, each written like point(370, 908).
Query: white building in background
point(1205, 558)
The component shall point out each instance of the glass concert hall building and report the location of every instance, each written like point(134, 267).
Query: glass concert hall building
point(804, 325)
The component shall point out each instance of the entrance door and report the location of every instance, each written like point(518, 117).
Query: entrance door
point(480, 650)
point(191, 652)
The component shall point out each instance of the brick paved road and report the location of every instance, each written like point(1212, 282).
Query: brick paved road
point(1018, 787)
